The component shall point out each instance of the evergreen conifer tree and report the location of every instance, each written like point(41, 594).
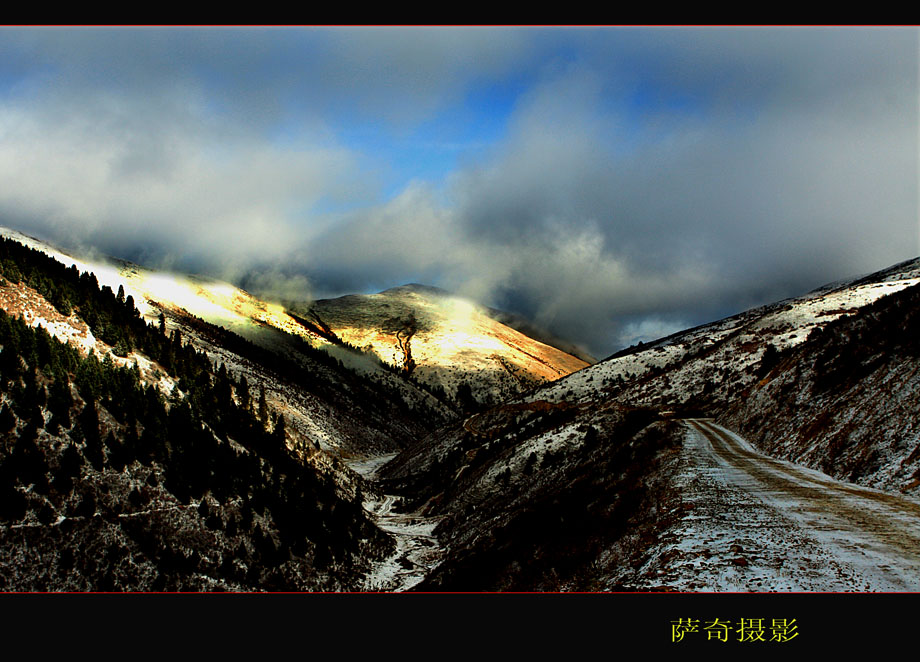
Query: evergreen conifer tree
point(280, 433)
point(263, 407)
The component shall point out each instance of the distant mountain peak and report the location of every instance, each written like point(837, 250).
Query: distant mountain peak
point(418, 288)
point(444, 339)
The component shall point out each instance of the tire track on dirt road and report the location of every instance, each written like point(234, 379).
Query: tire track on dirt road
point(874, 534)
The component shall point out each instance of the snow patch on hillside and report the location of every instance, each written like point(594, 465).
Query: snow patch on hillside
point(734, 346)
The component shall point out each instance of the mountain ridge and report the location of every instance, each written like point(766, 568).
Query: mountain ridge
point(441, 339)
point(488, 378)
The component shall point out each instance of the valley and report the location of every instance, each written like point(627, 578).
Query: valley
point(411, 441)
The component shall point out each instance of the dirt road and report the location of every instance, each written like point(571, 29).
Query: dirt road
point(754, 523)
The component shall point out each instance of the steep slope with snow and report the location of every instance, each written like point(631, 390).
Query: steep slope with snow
point(333, 398)
point(154, 291)
point(438, 351)
point(444, 341)
point(118, 478)
point(826, 379)
point(725, 354)
point(844, 401)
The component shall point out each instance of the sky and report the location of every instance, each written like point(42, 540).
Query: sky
point(612, 184)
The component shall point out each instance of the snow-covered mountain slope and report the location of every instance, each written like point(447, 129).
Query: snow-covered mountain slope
point(845, 400)
point(357, 408)
point(20, 300)
point(784, 375)
point(826, 379)
point(113, 480)
point(589, 478)
point(154, 291)
point(722, 355)
point(443, 340)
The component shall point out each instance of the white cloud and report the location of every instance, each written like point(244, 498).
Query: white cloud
point(99, 173)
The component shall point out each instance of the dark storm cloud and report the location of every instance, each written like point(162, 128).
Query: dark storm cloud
point(809, 176)
point(795, 164)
